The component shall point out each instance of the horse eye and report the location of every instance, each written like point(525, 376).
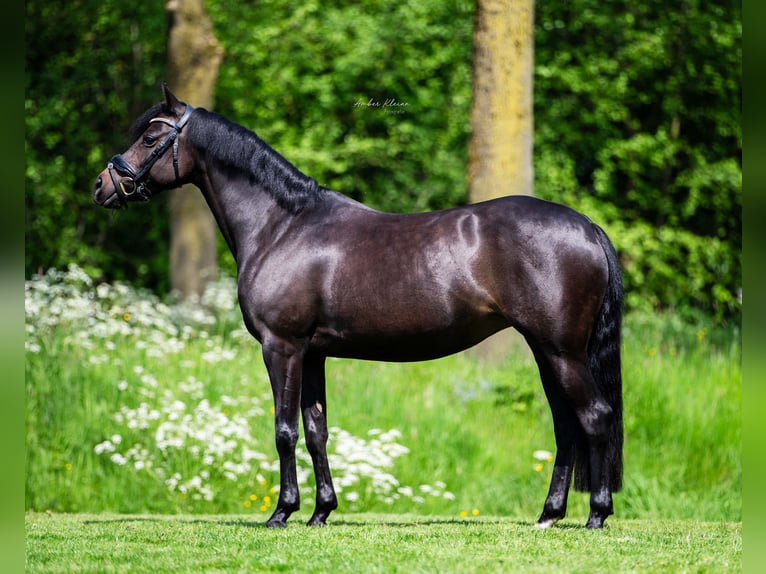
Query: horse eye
point(149, 139)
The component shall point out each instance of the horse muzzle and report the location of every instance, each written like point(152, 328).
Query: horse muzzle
point(124, 185)
point(106, 197)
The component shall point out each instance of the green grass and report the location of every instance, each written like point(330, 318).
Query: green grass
point(468, 423)
point(374, 543)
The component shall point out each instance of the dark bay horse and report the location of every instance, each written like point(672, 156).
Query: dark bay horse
point(321, 275)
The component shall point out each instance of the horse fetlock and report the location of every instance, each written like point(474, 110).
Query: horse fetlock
point(601, 507)
point(595, 521)
point(278, 519)
point(282, 513)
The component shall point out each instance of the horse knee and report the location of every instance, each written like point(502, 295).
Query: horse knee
point(286, 438)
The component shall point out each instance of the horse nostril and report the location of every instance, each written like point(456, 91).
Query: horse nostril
point(99, 183)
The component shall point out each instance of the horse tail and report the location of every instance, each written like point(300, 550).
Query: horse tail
point(604, 364)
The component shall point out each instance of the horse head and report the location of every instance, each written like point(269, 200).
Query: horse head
point(157, 160)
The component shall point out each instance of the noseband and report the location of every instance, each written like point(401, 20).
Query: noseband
point(131, 180)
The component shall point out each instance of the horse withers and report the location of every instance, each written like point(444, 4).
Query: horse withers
point(321, 275)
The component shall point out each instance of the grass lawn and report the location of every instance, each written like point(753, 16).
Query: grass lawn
point(373, 543)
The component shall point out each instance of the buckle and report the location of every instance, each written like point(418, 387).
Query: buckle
point(127, 186)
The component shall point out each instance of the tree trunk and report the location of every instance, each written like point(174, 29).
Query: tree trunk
point(500, 149)
point(193, 59)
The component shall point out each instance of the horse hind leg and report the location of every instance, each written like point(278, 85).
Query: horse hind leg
point(314, 408)
point(598, 418)
point(582, 419)
point(595, 418)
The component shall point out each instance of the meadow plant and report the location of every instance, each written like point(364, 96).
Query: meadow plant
point(199, 443)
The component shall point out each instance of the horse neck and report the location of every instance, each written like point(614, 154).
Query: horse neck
point(244, 212)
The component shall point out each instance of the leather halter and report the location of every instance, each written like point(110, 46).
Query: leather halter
point(131, 180)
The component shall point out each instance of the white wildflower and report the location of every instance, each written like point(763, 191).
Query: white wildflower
point(119, 459)
point(542, 455)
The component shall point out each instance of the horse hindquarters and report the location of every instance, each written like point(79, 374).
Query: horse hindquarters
point(584, 390)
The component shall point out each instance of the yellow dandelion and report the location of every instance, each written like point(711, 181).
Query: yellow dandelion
point(68, 466)
point(248, 504)
point(253, 497)
point(273, 490)
point(539, 467)
point(475, 512)
point(266, 500)
point(126, 317)
point(463, 513)
point(264, 508)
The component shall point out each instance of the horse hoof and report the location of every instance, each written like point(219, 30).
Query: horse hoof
point(595, 522)
point(276, 524)
point(278, 520)
point(546, 523)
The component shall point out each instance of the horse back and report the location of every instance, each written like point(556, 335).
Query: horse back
point(367, 284)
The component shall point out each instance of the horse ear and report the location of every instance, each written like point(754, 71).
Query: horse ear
point(171, 102)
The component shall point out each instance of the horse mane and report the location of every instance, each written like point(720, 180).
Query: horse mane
point(236, 147)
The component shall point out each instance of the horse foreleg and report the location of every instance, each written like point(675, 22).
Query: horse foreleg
point(314, 407)
point(285, 374)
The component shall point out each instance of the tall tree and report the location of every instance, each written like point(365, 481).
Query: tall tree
point(193, 60)
point(500, 148)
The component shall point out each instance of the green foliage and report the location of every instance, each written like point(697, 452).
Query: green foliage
point(638, 125)
point(637, 122)
point(92, 67)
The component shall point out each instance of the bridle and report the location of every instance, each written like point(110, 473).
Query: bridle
point(131, 180)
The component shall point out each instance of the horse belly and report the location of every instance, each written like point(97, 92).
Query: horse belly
point(403, 335)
